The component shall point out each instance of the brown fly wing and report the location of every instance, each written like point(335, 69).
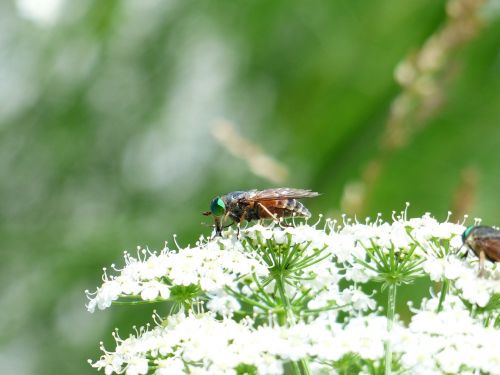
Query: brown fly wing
point(279, 193)
point(490, 246)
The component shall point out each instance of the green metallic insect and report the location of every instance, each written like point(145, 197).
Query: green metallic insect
point(484, 241)
point(258, 204)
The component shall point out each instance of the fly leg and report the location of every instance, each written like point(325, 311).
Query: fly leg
point(482, 259)
point(239, 220)
point(464, 255)
point(219, 225)
point(275, 218)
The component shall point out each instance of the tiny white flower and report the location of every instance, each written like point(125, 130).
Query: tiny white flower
point(137, 366)
point(435, 268)
point(224, 305)
point(152, 289)
point(170, 366)
point(359, 273)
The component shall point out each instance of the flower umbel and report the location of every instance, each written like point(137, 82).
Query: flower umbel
point(178, 275)
point(301, 300)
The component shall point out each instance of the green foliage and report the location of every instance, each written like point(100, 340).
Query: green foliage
point(105, 140)
point(246, 370)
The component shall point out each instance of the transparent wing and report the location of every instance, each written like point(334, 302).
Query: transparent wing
point(280, 193)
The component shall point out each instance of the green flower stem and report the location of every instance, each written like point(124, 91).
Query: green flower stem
point(249, 300)
point(139, 302)
point(391, 309)
point(284, 298)
point(444, 290)
point(326, 308)
point(305, 367)
point(289, 317)
point(285, 316)
point(294, 367)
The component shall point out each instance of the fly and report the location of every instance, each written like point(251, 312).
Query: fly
point(274, 204)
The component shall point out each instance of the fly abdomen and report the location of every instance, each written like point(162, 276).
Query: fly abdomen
point(278, 208)
point(293, 207)
point(298, 209)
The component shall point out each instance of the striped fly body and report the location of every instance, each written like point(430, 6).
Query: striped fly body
point(240, 206)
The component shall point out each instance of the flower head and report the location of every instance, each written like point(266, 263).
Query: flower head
point(154, 276)
point(299, 297)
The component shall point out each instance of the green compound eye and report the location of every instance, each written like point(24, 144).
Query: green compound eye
point(217, 207)
point(466, 233)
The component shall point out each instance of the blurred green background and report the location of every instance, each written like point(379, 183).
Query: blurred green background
point(109, 135)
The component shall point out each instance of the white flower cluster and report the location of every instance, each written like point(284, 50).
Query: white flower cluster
point(323, 278)
point(435, 343)
point(436, 244)
point(237, 275)
point(203, 345)
point(449, 342)
point(401, 233)
point(352, 239)
point(152, 275)
point(464, 274)
point(193, 344)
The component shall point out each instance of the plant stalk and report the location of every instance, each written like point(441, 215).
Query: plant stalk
point(303, 369)
point(391, 309)
point(444, 291)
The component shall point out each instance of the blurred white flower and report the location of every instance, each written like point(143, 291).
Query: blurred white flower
point(475, 289)
point(359, 300)
point(223, 305)
point(152, 289)
point(170, 366)
point(359, 274)
point(43, 12)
